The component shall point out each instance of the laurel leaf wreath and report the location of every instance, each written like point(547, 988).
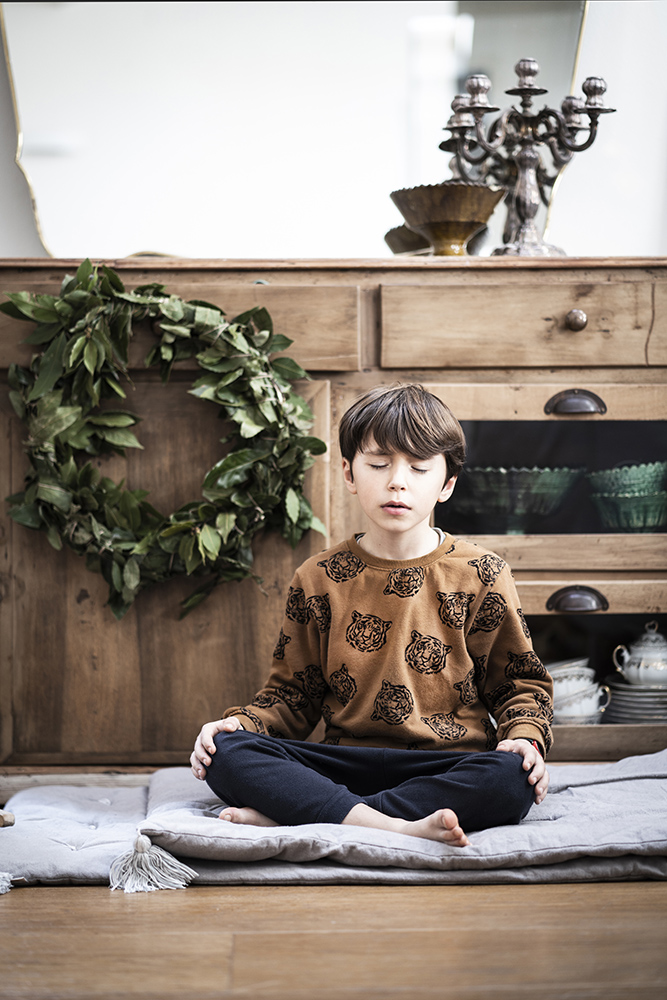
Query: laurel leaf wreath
point(82, 339)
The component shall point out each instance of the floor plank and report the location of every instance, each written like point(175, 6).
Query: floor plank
point(336, 943)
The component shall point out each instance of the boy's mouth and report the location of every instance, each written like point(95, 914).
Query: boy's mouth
point(396, 505)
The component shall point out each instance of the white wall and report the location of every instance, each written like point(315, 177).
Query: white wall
point(290, 148)
point(307, 116)
point(612, 199)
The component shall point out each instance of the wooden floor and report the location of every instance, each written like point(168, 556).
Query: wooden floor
point(337, 943)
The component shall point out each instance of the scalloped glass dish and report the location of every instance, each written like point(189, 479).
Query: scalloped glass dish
point(512, 500)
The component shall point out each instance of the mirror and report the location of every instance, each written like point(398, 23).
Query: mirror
point(260, 130)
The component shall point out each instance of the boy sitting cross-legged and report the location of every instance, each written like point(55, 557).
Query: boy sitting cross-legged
point(404, 640)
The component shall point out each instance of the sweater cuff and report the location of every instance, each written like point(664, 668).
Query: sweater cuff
point(529, 734)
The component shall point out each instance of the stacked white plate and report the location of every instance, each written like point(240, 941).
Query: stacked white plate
point(635, 704)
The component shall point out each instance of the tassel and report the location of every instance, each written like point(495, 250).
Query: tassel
point(147, 868)
point(5, 882)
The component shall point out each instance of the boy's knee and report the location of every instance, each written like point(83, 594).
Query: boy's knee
point(509, 793)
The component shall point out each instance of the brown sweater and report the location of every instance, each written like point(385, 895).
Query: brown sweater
point(404, 654)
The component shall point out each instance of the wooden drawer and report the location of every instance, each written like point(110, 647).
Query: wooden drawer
point(635, 594)
point(322, 320)
point(499, 325)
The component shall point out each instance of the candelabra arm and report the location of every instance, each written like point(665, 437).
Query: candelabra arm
point(562, 135)
point(465, 168)
point(497, 132)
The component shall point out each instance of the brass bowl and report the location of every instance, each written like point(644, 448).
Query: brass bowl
point(447, 214)
point(402, 239)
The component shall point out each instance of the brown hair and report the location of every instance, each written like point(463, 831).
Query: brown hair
point(403, 418)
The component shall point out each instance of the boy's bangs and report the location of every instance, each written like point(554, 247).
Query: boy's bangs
point(401, 433)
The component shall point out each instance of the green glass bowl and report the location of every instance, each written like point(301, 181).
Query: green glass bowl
point(649, 477)
point(632, 511)
point(514, 495)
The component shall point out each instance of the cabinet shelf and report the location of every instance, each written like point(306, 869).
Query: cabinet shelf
point(606, 742)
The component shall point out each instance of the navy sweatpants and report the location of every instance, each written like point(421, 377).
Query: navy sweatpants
point(294, 782)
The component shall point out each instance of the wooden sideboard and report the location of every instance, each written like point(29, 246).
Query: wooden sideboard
point(490, 336)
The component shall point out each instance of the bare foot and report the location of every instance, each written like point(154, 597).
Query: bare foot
point(231, 814)
point(441, 825)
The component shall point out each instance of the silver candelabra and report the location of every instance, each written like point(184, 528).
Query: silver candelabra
point(508, 151)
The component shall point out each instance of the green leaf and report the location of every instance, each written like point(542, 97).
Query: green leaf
point(233, 469)
point(117, 576)
point(56, 495)
point(45, 427)
point(289, 369)
point(225, 524)
point(211, 541)
point(292, 505)
point(28, 515)
point(84, 272)
point(16, 399)
point(113, 418)
point(314, 445)
point(119, 437)
point(90, 357)
point(131, 574)
point(278, 343)
point(54, 538)
point(113, 278)
point(76, 348)
point(51, 368)
point(116, 388)
point(43, 333)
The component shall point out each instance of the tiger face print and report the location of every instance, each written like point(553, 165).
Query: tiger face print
point(489, 567)
point(426, 654)
point(393, 704)
point(319, 609)
point(367, 633)
point(405, 582)
point(467, 688)
point(524, 624)
point(265, 700)
point(312, 681)
point(525, 664)
point(343, 685)
point(292, 697)
point(490, 615)
point(342, 566)
point(283, 641)
point(296, 609)
point(454, 608)
point(445, 726)
point(502, 693)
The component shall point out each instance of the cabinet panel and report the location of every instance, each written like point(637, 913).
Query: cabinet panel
point(323, 321)
point(495, 325)
point(640, 596)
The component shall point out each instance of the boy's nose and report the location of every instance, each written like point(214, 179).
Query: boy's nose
point(397, 481)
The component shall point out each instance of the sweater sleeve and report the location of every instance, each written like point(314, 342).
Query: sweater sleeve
point(513, 684)
point(289, 705)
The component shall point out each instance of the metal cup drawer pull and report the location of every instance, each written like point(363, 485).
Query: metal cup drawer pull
point(576, 320)
point(577, 599)
point(573, 401)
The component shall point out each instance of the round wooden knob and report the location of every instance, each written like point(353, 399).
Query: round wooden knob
point(576, 319)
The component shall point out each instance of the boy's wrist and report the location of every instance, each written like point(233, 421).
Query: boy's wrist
point(533, 743)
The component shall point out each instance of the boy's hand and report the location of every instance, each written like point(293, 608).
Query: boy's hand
point(533, 762)
point(200, 758)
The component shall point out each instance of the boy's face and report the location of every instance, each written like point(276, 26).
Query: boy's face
point(397, 492)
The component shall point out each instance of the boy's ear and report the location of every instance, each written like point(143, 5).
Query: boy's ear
point(447, 489)
point(348, 476)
